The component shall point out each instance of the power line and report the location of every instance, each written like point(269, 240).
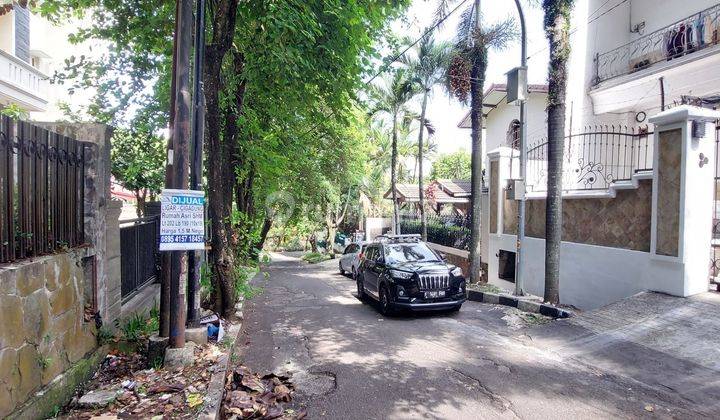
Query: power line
point(591, 20)
point(386, 66)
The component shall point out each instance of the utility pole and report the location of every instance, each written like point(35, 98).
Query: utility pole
point(523, 159)
point(198, 117)
point(165, 260)
point(181, 139)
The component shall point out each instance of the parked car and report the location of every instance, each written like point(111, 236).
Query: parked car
point(350, 259)
point(402, 272)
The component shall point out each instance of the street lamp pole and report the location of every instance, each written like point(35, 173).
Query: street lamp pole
point(523, 162)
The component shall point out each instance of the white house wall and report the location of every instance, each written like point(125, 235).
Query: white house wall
point(599, 26)
point(499, 119)
point(608, 282)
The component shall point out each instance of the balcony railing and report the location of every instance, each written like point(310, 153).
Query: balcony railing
point(594, 159)
point(694, 33)
point(22, 83)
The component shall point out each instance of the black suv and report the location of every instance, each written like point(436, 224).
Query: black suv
point(402, 272)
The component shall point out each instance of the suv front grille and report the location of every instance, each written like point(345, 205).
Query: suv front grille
point(434, 281)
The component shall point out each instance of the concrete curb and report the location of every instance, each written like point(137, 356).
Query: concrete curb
point(522, 304)
point(216, 387)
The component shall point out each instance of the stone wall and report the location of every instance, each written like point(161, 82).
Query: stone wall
point(620, 222)
point(43, 301)
point(43, 331)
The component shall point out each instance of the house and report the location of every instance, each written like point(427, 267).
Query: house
point(502, 119)
point(441, 195)
point(32, 49)
point(22, 79)
point(636, 180)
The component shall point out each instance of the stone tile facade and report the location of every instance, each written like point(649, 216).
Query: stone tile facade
point(668, 206)
point(43, 329)
point(494, 172)
point(620, 222)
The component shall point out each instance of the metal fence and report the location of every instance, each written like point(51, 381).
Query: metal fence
point(715, 245)
point(42, 178)
point(448, 230)
point(683, 37)
point(594, 158)
point(139, 254)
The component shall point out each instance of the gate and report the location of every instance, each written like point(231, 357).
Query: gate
point(715, 248)
point(139, 254)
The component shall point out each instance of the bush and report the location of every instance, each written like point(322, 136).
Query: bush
point(315, 257)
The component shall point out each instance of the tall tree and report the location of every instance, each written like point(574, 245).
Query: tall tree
point(452, 166)
point(391, 97)
point(466, 76)
point(254, 141)
point(557, 31)
point(428, 68)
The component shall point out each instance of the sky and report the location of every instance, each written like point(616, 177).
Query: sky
point(446, 112)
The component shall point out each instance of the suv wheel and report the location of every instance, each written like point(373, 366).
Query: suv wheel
point(360, 289)
point(340, 268)
point(385, 307)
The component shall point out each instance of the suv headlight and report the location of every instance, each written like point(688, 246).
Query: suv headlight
point(404, 275)
point(457, 272)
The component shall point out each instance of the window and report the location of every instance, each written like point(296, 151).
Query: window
point(400, 253)
point(513, 135)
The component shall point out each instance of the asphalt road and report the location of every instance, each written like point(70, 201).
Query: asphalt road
point(349, 362)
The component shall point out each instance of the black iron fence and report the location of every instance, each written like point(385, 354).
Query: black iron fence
point(594, 158)
point(42, 190)
point(448, 230)
point(139, 254)
point(686, 36)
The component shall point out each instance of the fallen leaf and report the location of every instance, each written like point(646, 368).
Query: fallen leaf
point(194, 400)
point(165, 388)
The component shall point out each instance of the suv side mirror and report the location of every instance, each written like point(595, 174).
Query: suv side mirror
point(443, 256)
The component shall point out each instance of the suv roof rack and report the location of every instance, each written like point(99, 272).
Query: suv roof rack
point(398, 238)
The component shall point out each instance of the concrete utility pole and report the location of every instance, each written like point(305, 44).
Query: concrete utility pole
point(181, 140)
point(523, 161)
point(165, 260)
point(198, 117)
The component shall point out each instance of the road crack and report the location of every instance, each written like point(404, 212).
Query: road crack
point(503, 404)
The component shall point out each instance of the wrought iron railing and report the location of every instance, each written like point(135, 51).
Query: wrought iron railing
point(448, 230)
point(694, 33)
point(42, 190)
point(594, 158)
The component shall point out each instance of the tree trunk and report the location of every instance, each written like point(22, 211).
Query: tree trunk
point(140, 196)
point(267, 224)
point(220, 172)
point(558, 37)
point(423, 218)
point(477, 75)
point(393, 177)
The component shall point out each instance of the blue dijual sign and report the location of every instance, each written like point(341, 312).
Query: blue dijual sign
point(182, 220)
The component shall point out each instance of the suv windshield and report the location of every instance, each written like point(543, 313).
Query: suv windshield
point(413, 252)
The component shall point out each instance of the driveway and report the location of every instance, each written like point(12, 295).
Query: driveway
point(487, 361)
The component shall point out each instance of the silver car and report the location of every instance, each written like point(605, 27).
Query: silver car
point(350, 259)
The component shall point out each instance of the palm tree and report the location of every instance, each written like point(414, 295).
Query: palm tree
point(428, 69)
point(557, 31)
point(391, 97)
point(466, 76)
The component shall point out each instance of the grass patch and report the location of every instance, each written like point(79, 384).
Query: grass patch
point(315, 257)
point(140, 325)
